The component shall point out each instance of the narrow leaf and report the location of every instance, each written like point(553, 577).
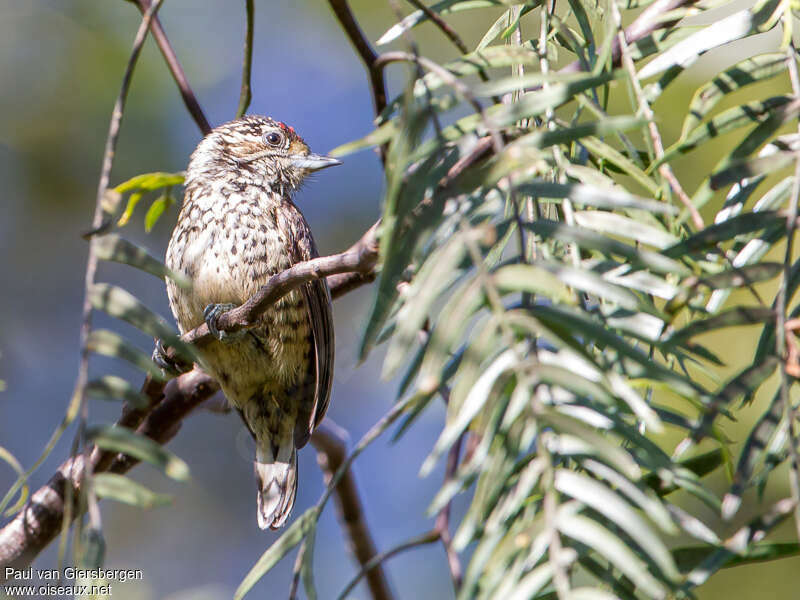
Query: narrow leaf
point(117, 487)
point(121, 439)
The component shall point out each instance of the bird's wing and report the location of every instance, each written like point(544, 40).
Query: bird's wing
point(318, 307)
point(317, 298)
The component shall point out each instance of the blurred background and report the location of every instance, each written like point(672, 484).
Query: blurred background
point(61, 65)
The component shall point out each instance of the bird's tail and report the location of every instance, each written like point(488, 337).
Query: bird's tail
point(276, 477)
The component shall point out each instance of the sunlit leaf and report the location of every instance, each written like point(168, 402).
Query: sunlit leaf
point(116, 388)
point(112, 247)
point(121, 439)
point(117, 487)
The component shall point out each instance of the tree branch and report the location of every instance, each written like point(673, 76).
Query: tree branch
point(189, 99)
point(364, 50)
point(40, 521)
point(331, 448)
point(247, 62)
point(360, 258)
point(42, 518)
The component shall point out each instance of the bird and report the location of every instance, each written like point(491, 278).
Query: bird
point(237, 227)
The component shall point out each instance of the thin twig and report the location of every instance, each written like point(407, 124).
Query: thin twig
point(421, 540)
point(646, 23)
point(414, 48)
point(331, 444)
point(189, 98)
point(644, 106)
point(40, 520)
point(451, 80)
point(442, 525)
point(79, 394)
point(247, 62)
point(442, 25)
point(364, 50)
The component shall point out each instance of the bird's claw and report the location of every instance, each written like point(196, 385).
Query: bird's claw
point(211, 316)
point(163, 360)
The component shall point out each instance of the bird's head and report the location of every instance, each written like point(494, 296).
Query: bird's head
point(258, 150)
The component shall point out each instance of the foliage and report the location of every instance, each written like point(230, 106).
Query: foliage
point(546, 274)
point(557, 294)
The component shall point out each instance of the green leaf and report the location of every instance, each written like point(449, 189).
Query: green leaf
point(109, 343)
point(725, 122)
point(690, 557)
point(121, 439)
point(116, 388)
point(752, 167)
point(740, 541)
point(569, 323)
point(645, 499)
point(93, 552)
point(133, 200)
point(472, 405)
point(723, 31)
point(587, 195)
point(440, 8)
point(743, 276)
point(114, 248)
point(116, 487)
point(744, 73)
point(741, 315)
point(157, 209)
point(598, 441)
point(608, 503)
point(594, 284)
point(614, 157)
point(589, 532)
point(590, 593)
point(543, 139)
point(532, 279)
point(619, 225)
point(148, 182)
point(590, 240)
point(12, 461)
point(121, 304)
point(726, 230)
point(378, 137)
point(770, 427)
point(500, 26)
point(436, 275)
point(307, 567)
point(279, 548)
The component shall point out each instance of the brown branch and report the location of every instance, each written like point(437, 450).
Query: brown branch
point(247, 63)
point(644, 107)
point(442, 25)
point(101, 217)
point(189, 99)
point(364, 50)
point(331, 453)
point(442, 525)
point(40, 521)
point(376, 561)
point(360, 258)
point(42, 518)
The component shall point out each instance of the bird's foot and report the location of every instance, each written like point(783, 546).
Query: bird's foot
point(171, 366)
point(211, 316)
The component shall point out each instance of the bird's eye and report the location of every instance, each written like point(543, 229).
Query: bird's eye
point(273, 138)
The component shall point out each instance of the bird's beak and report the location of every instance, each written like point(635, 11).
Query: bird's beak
point(314, 162)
